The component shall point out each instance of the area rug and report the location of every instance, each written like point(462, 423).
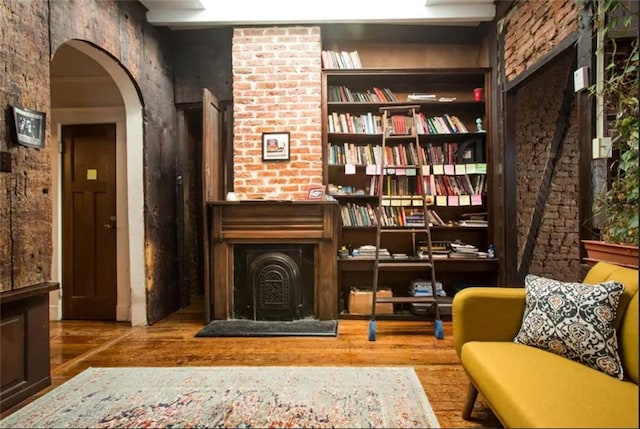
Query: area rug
point(240, 397)
point(261, 328)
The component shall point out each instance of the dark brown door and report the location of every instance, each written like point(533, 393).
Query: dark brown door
point(89, 222)
point(212, 161)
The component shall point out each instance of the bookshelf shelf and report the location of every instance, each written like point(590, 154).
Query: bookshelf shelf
point(349, 94)
point(442, 265)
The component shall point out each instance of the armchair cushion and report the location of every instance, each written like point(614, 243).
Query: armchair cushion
point(573, 320)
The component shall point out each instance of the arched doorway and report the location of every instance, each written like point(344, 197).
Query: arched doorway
point(89, 87)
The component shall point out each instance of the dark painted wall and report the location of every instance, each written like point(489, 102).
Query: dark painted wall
point(202, 60)
point(120, 28)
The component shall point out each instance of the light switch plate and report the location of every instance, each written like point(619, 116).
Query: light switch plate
point(5, 162)
point(601, 147)
point(580, 79)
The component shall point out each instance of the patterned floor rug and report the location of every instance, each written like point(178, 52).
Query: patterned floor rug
point(241, 397)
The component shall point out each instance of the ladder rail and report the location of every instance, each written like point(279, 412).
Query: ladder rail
point(387, 113)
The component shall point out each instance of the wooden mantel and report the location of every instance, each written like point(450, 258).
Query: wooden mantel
point(273, 222)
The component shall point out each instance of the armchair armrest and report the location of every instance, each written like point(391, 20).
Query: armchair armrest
point(487, 314)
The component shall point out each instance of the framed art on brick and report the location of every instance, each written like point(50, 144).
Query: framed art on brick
point(275, 146)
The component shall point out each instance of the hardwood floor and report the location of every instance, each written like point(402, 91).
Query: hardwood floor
point(77, 345)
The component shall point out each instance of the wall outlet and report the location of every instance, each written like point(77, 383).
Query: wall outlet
point(5, 162)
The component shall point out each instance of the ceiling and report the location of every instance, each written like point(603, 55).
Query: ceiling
point(181, 14)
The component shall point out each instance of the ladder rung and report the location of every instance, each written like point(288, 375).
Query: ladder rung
point(400, 108)
point(404, 229)
point(405, 299)
point(405, 264)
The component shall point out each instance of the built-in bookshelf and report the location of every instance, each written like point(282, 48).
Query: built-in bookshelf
point(452, 152)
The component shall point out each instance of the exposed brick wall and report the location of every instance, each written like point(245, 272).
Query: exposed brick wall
point(533, 28)
point(556, 252)
point(277, 87)
point(25, 201)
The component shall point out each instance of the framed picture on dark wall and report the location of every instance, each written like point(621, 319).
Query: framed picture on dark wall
point(275, 146)
point(29, 127)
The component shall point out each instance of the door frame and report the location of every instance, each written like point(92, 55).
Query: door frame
point(95, 115)
point(133, 169)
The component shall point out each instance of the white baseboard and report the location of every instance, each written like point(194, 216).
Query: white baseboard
point(123, 313)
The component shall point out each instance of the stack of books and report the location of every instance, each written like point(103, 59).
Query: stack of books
point(423, 288)
point(416, 96)
point(341, 60)
point(473, 220)
point(368, 251)
point(439, 250)
point(473, 223)
point(459, 249)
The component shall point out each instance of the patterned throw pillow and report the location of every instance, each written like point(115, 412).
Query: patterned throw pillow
point(573, 320)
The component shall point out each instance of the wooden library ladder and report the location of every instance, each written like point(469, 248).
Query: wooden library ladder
point(399, 127)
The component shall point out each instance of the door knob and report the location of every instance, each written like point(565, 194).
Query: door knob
point(108, 226)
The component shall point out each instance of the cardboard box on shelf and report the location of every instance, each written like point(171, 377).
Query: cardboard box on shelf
point(360, 302)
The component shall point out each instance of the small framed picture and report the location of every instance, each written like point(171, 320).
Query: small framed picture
point(315, 193)
point(30, 127)
point(275, 146)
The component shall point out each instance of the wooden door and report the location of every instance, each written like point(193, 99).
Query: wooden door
point(212, 157)
point(89, 222)
point(212, 185)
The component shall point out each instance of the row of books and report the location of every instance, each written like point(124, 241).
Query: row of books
point(353, 154)
point(452, 185)
point(369, 123)
point(354, 214)
point(391, 216)
point(446, 153)
point(340, 60)
point(415, 200)
point(358, 215)
point(399, 125)
point(344, 94)
point(437, 200)
point(445, 124)
point(407, 154)
point(375, 95)
point(430, 185)
point(408, 217)
point(409, 169)
point(396, 187)
point(395, 155)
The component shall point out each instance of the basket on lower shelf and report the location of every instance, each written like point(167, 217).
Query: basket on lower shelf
point(360, 302)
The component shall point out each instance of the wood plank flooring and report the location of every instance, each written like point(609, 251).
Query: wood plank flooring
point(77, 345)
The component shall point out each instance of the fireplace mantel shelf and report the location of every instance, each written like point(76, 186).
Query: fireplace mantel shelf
point(272, 222)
